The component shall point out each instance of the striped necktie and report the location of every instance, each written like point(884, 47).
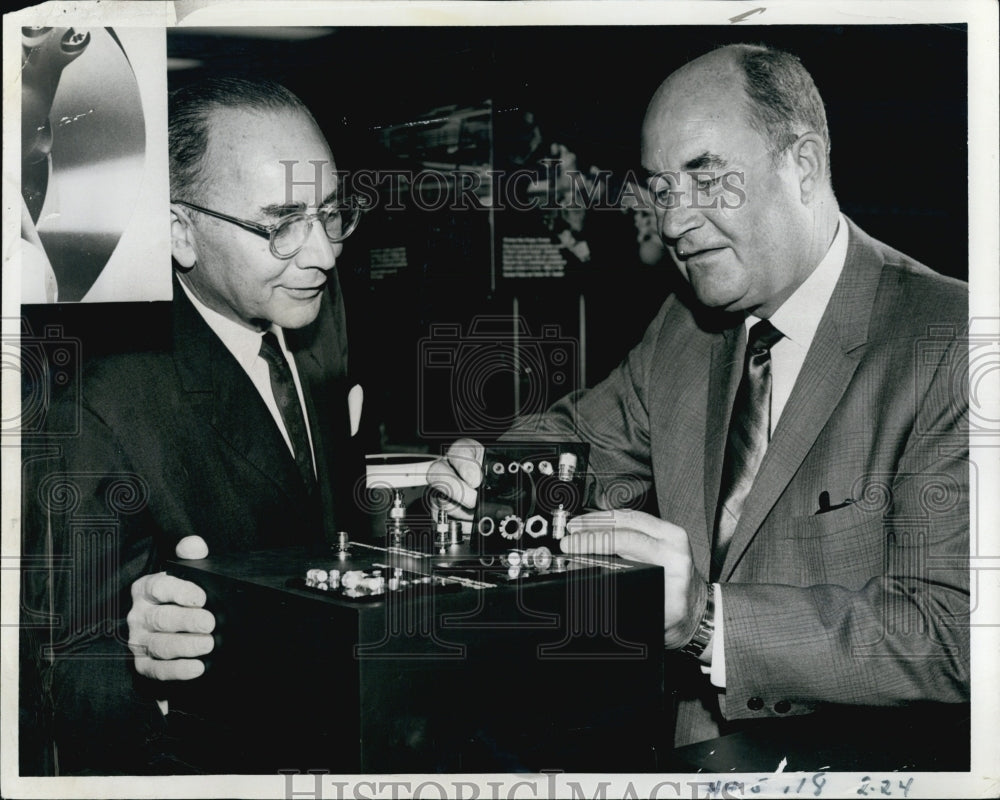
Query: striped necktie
point(749, 434)
point(287, 399)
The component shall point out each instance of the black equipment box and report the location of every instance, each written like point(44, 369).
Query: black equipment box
point(391, 660)
point(529, 490)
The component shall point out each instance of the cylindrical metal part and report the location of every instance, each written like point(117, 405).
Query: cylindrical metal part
point(559, 517)
point(394, 530)
point(352, 579)
point(567, 466)
point(543, 558)
point(454, 532)
point(441, 521)
point(398, 511)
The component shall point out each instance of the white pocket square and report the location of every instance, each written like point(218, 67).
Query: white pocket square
point(355, 399)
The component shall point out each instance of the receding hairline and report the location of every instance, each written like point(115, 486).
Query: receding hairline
point(195, 111)
point(216, 148)
point(704, 68)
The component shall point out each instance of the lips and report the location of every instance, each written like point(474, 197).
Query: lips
point(686, 254)
point(306, 289)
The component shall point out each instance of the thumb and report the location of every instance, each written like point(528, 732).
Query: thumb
point(191, 547)
point(466, 458)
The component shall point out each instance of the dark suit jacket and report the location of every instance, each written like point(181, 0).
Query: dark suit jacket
point(866, 604)
point(169, 443)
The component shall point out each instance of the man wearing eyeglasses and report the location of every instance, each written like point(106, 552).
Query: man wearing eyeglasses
point(237, 437)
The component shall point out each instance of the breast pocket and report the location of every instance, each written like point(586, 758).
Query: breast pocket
point(845, 546)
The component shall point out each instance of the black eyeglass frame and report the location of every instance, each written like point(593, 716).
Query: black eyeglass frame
point(267, 231)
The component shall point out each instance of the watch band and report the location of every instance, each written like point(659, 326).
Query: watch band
point(706, 628)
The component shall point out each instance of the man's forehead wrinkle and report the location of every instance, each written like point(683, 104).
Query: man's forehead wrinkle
point(260, 162)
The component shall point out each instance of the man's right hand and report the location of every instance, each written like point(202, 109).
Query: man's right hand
point(456, 476)
point(168, 626)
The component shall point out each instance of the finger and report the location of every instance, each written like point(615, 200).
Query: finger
point(191, 547)
point(167, 646)
point(163, 588)
point(624, 519)
point(593, 521)
point(177, 670)
point(627, 544)
point(466, 458)
point(168, 618)
point(442, 478)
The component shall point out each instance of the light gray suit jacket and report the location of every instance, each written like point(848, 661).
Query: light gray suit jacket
point(866, 604)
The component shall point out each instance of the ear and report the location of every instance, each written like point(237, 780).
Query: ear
point(809, 154)
point(182, 240)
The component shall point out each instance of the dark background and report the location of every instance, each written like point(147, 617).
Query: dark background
point(896, 99)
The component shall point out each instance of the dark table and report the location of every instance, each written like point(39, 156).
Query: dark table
point(558, 668)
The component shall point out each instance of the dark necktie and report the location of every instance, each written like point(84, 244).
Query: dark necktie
point(287, 399)
point(749, 433)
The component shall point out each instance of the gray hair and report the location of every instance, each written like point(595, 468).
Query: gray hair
point(782, 100)
point(189, 112)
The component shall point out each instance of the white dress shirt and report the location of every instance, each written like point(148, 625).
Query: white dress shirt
point(797, 318)
point(244, 344)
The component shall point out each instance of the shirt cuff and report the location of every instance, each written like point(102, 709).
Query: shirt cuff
point(716, 671)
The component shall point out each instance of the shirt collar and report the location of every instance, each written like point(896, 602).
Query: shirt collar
point(799, 316)
point(242, 342)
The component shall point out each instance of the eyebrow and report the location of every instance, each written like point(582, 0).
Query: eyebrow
point(284, 209)
point(706, 160)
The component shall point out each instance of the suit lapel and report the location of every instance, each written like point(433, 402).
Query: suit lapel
point(224, 393)
point(830, 363)
point(724, 379)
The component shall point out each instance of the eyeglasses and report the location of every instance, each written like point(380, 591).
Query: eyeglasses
point(289, 234)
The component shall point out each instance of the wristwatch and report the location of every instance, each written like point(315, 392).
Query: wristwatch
point(706, 628)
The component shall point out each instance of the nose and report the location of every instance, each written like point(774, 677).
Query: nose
point(679, 216)
point(318, 251)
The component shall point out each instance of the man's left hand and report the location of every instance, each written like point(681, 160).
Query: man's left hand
point(642, 537)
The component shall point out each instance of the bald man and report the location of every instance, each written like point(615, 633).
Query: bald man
point(812, 487)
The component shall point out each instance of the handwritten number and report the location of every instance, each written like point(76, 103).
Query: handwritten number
point(906, 787)
point(865, 789)
point(819, 781)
